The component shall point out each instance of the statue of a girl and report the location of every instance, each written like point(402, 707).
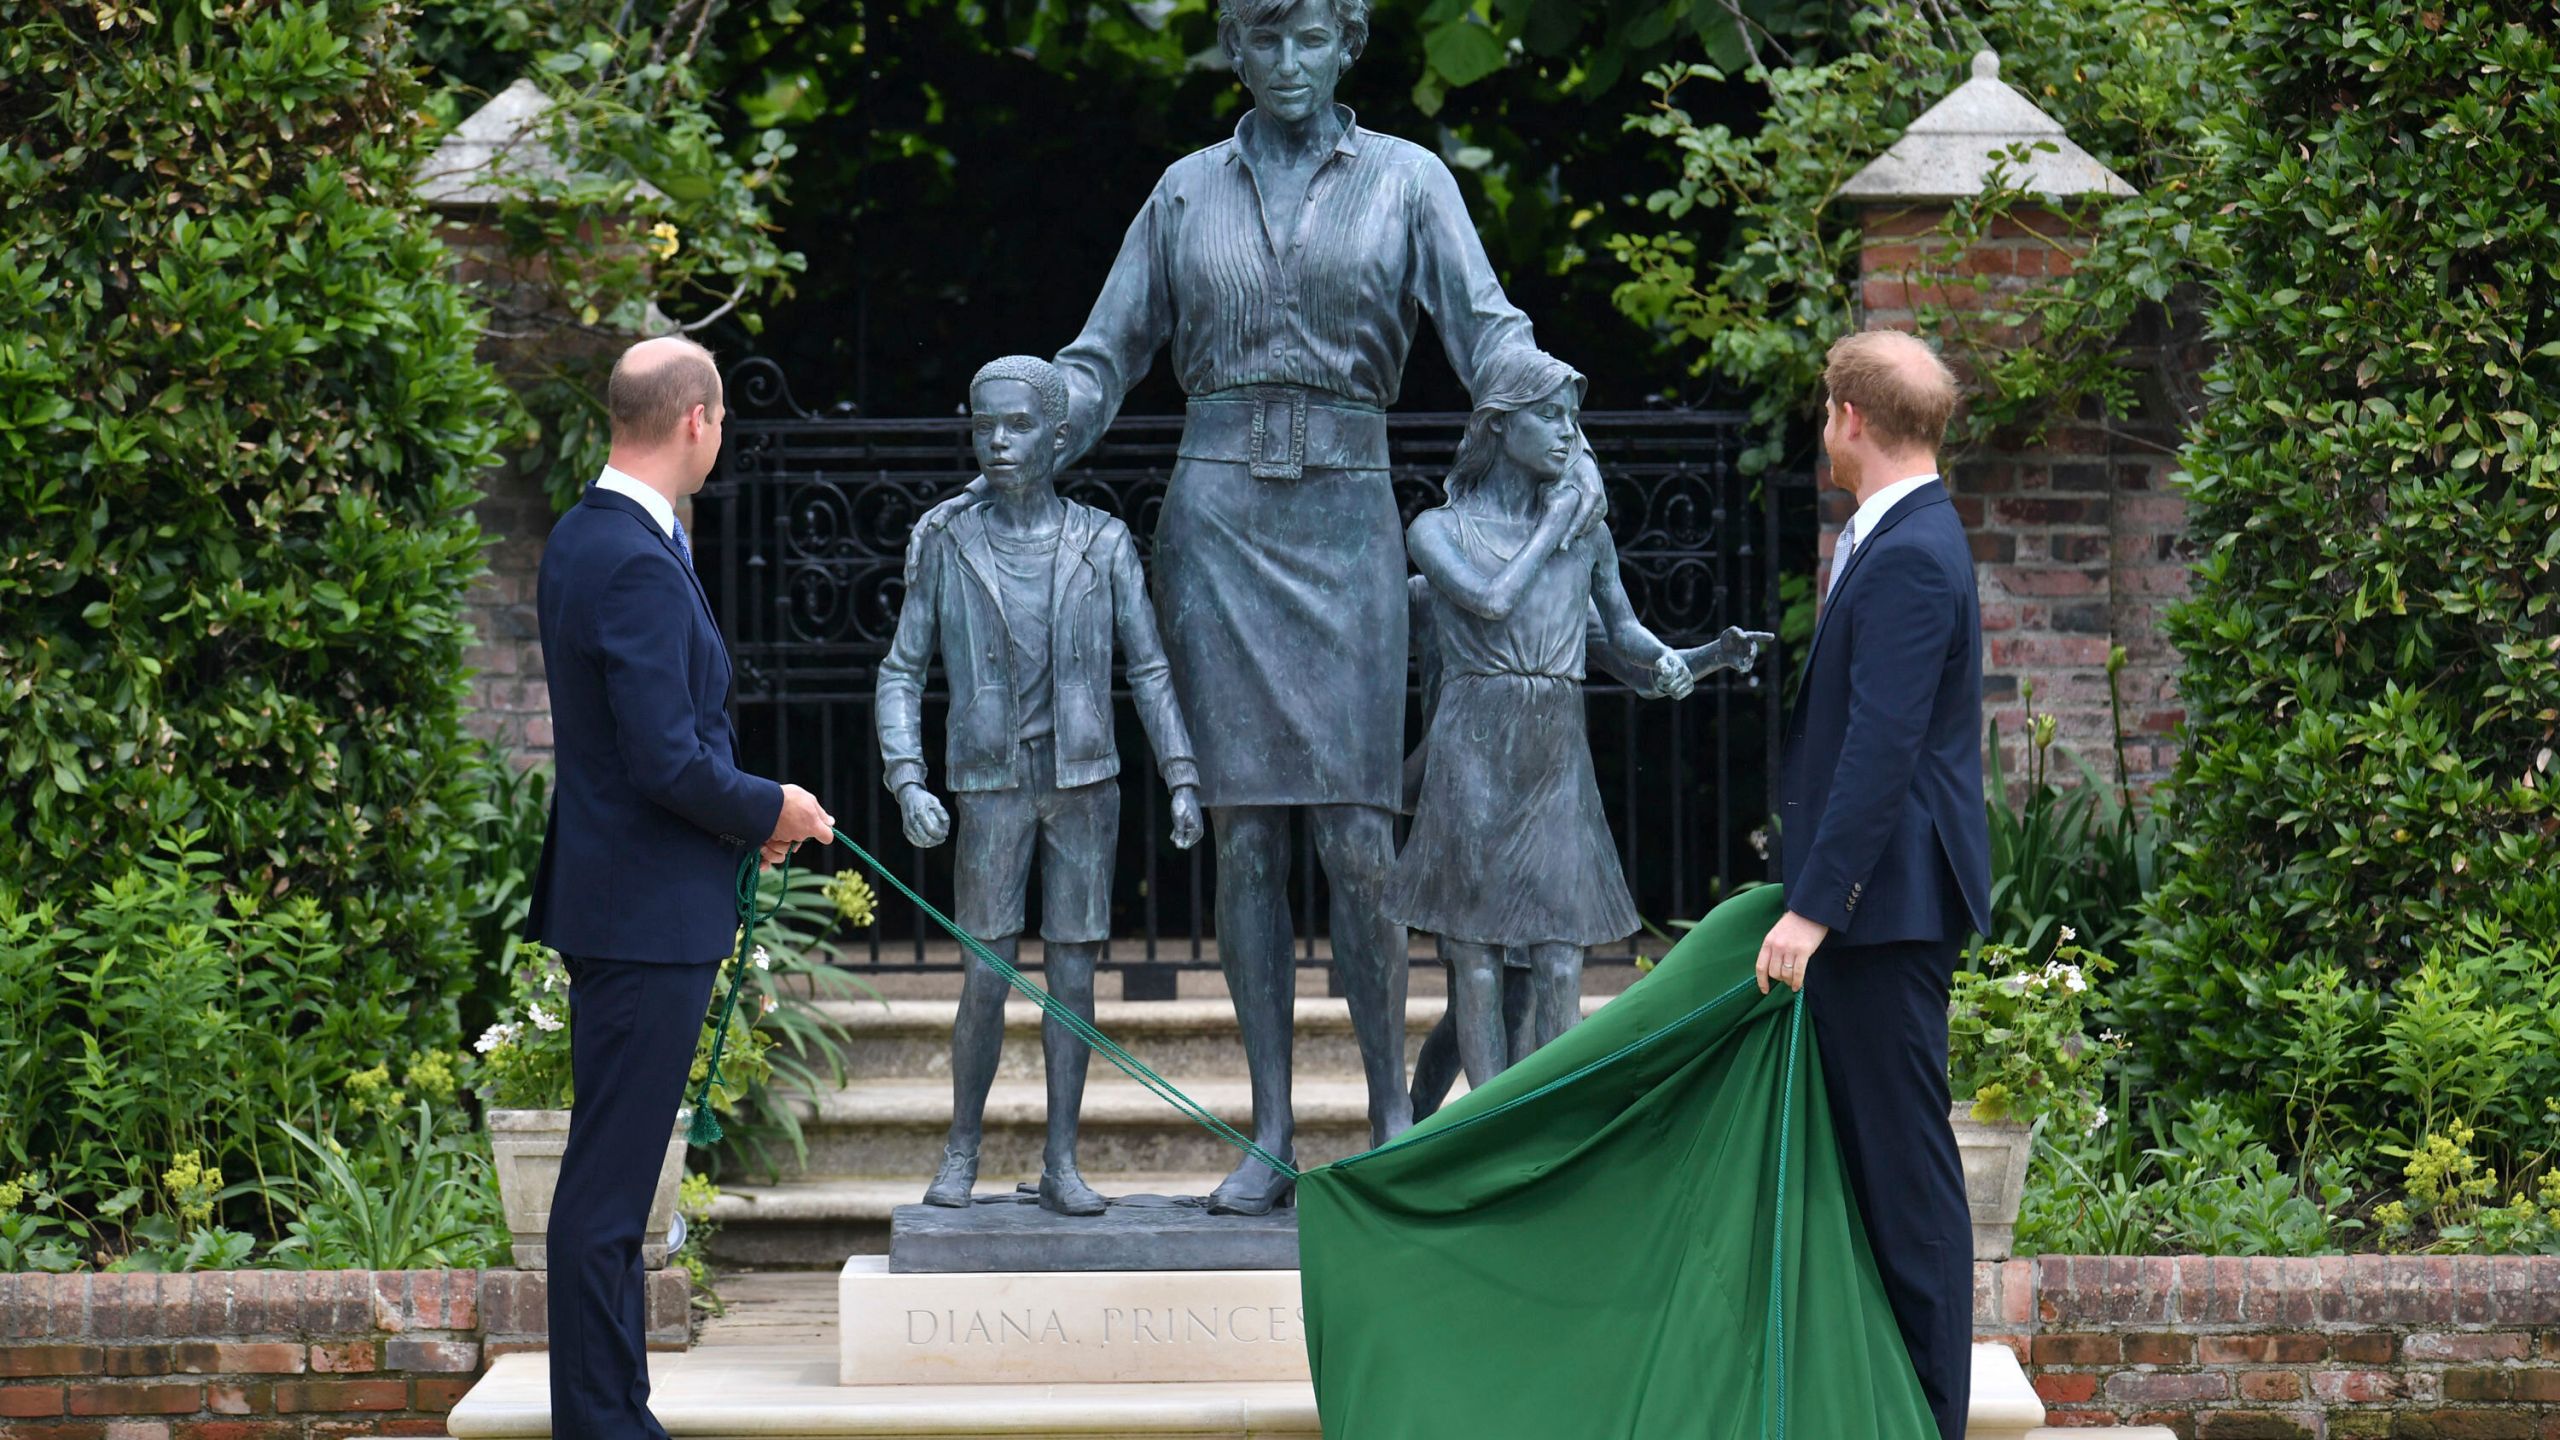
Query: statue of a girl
point(1510, 851)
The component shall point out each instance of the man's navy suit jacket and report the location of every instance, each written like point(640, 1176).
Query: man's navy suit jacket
point(1881, 812)
point(650, 811)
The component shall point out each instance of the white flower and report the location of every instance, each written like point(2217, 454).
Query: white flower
point(553, 978)
point(763, 958)
point(2098, 1121)
point(2110, 1037)
point(768, 1004)
point(2072, 980)
point(2069, 934)
point(495, 1037)
point(2015, 982)
point(542, 1019)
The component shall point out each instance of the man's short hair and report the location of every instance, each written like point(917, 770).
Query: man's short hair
point(1237, 16)
point(1043, 377)
point(648, 400)
point(1905, 393)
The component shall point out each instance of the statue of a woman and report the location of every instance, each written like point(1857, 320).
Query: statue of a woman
point(1288, 268)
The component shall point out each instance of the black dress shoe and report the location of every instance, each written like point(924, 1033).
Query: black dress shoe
point(1063, 1192)
point(1254, 1189)
point(953, 1182)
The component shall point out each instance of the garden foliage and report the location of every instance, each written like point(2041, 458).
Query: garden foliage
point(240, 422)
point(2372, 651)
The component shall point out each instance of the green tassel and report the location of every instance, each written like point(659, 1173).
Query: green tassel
point(705, 1129)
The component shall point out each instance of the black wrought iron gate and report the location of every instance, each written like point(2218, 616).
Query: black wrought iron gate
point(802, 533)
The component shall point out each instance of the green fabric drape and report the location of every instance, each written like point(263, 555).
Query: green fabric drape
point(1585, 1248)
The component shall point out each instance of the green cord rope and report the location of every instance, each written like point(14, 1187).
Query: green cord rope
point(705, 1127)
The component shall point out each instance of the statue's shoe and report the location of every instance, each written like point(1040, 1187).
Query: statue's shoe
point(953, 1182)
point(1063, 1192)
point(1254, 1189)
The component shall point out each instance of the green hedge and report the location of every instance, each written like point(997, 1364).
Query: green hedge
point(240, 422)
point(2373, 658)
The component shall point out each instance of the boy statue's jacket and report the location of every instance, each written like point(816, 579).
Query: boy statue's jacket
point(954, 604)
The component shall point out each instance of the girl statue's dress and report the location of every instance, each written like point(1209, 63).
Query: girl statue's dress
point(1509, 844)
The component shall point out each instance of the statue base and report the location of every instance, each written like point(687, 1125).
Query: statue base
point(1012, 1233)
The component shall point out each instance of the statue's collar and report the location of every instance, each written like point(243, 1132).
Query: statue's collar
point(1347, 144)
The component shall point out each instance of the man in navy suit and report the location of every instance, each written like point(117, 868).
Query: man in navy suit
point(1887, 846)
point(636, 887)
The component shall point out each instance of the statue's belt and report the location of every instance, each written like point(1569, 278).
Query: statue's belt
point(1282, 431)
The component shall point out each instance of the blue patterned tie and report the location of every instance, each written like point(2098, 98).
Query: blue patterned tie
point(1840, 554)
point(684, 545)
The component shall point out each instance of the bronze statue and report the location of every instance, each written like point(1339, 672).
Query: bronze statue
point(1287, 269)
point(1021, 595)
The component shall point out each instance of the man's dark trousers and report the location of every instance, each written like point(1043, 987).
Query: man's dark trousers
point(1880, 1021)
point(632, 1033)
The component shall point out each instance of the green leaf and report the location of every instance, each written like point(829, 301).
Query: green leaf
point(1463, 52)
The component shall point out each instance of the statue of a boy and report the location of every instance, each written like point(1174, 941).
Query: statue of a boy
point(1022, 595)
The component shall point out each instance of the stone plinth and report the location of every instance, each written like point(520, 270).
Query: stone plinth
point(1138, 1232)
point(1068, 1327)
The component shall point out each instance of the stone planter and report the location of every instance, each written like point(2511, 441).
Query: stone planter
point(527, 1144)
point(1995, 1177)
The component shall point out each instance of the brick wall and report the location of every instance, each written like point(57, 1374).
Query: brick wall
point(2357, 1347)
point(267, 1354)
point(509, 706)
point(2079, 541)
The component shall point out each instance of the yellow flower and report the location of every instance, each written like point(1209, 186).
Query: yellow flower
point(663, 241)
point(191, 1185)
point(12, 1195)
point(853, 897)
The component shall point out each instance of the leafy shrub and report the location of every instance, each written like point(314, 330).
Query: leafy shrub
point(2370, 648)
point(2209, 1186)
point(2132, 81)
point(421, 1196)
point(2017, 1035)
point(240, 422)
point(647, 205)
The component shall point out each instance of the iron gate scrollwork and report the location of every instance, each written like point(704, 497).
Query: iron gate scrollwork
point(802, 533)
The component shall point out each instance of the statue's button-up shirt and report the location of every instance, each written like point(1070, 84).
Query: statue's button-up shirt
point(1382, 238)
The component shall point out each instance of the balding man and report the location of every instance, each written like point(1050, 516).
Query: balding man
point(1887, 848)
point(649, 815)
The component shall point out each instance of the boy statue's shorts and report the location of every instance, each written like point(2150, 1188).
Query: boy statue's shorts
point(1075, 833)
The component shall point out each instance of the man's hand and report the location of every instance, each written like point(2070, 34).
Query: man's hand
point(776, 851)
point(1187, 825)
point(927, 823)
point(803, 818)
point(1787, 952)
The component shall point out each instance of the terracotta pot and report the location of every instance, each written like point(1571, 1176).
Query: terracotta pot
point(1995, 1177)
point(527, 1144)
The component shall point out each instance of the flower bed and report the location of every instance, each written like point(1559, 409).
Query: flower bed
point(2339, 1348)
point(264, 1354)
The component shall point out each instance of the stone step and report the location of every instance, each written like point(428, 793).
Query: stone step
point(897, 1126)
point(908, 1039)
point(784, 1391)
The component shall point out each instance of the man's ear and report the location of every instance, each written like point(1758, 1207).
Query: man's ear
point(1060, 444)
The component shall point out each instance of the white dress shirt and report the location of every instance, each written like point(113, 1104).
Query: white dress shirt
point(653, 502)
point(1870, 514)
